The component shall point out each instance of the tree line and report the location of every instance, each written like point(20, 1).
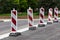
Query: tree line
point(21, 5)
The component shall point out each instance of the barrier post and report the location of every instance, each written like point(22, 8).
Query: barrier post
point(55, 14)
point(14, 23)
point(50, 19)
point(30, 19)
point(41, 17)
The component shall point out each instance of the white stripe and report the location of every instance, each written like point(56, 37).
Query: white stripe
point(31, 22)
point(42, 12)
point(56, 10)
point(14, 16)
point(31, 14)
point(12, 25)
point(50, 11)
point(41, 19)
point(50, 18)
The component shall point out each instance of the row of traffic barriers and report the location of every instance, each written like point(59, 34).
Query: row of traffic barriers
point(31, 21)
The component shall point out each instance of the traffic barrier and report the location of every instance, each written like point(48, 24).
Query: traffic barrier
point(30, 19)
point(55, 14)
point(14, 23)
point(41, 17)
point(50, 19)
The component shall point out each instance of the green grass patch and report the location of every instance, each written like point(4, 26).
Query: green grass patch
point(5, 14)
point(22, 14)
point(9, 14)
point(19, 14)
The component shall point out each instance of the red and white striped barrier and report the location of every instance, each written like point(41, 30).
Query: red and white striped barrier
point(55, 14)
point(50, 19)
point(30, 19)
point(41, 17)
point(14, 23)
point(14, 20)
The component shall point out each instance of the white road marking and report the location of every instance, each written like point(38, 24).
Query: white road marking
point(7, 34)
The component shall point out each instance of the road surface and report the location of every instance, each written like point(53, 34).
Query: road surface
point(5, 27)
point(49, 32)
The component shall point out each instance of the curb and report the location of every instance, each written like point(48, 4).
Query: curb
point(7, 20)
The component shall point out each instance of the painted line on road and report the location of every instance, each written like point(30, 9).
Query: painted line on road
point(7, 20)
point(7, 34)
point(21, 30)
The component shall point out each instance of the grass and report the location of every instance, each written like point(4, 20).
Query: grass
point(21, 14)
point(9, 14)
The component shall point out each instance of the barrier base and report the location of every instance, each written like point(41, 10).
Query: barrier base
point(55, 21)
point(49, 22)
point(32, 28)
point(15, 34)
point(41, 25)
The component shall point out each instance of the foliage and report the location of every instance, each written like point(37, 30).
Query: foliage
point(22, 5)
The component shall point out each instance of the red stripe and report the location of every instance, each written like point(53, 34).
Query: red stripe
point(14, 21)
point(55, 18)
point(30, 11)
point(56, 9)
point(30, 18)
point(14, 12)
point(41, 16)
point(49, 19)
point(50, 15)
point(41, 21)
point(13, 29)
point(42, 9)
point(30, 24)
point(56, 14)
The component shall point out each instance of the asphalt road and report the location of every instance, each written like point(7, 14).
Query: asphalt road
point(49, 32)
point(5, 27)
